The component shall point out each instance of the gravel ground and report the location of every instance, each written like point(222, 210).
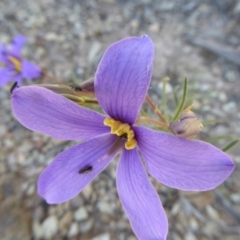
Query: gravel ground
point(198, 39)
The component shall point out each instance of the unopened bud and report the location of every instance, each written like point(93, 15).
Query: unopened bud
point(188, 126)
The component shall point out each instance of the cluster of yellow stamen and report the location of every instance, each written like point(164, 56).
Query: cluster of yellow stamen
point(122, 130)
point(17, 64)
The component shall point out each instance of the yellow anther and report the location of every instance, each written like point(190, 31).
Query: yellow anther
point(122, 130)
point(131, 144)
point(115, 126)
point(17, 64)
point(108, 122)
point(131, 134)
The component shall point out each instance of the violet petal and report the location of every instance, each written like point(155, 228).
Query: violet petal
point(74, 168)
point(3, 54)
point(44, 111)
point(17, 45)
point(139, 199)
point(30, 70)
point(123, 76)
point(184, 164)
point(5, 76)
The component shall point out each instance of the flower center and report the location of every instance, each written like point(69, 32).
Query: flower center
point(17, 64)
point(123, 130)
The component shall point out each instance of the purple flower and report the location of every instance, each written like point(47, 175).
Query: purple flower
point(14, 67)
point(121, 83)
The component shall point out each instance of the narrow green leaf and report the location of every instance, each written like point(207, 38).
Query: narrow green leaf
point(182, 102)
point(175, 96)
point(215, 139)
point(230, 145)
point(211, 122)
point(164, 95)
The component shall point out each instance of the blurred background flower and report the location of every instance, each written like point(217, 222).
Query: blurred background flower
point(14, 67)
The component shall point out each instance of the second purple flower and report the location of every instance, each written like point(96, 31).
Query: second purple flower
point(14, 67)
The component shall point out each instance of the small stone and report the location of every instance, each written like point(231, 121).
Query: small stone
point(73, 231)
point(231, 76)
point(81, 214)
point(236, 9)
point(87, 191)
point(235, 197)
point(132, 238)
point(230, 107)
point(66, 220)
point(3, 130)
point(166, 6)
point(194, 224)
point(176, 209)
point(50, 227)
point(30, 190)
point(212, 213)
point(86, 226)
point(96, 47)
point(51, 36)
point(104, 207)
point(190, 236)
point(105, 236)
point(37, 230)
point(134, 24)
point(222, 96)
point(154, 28)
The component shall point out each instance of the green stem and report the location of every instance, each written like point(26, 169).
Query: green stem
point(183, 101)
point(230, 145)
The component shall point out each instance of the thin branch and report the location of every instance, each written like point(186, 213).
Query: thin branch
point(155, 109)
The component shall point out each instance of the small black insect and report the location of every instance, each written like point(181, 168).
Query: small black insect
point(13, 87)
point(86, 169)
point(75, 87)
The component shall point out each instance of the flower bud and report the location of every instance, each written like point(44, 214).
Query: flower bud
point(188, 126)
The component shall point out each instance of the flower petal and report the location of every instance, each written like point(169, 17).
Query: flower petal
point(5, 76)
point(44, 111)
point(17, 45)
point(123, 76)
point(181, 163)
point(139, 199)
point(73, 169)
point(30, 70)
point(3, 54)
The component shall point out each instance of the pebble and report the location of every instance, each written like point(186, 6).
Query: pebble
point(236, 9)
point(73, 231)
point(87, 191)
point(212, 213)
point(81, 214)
point(154, 28)
point(235, 197)
point(104, 207)
point(222, 96)
point(37, 230)
point(230, 107)
point(105, 236)
point(86, 226)
point(50, 227)
point(96, 47)
point(66, 220)
point(190, 236)
point(3, 130)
